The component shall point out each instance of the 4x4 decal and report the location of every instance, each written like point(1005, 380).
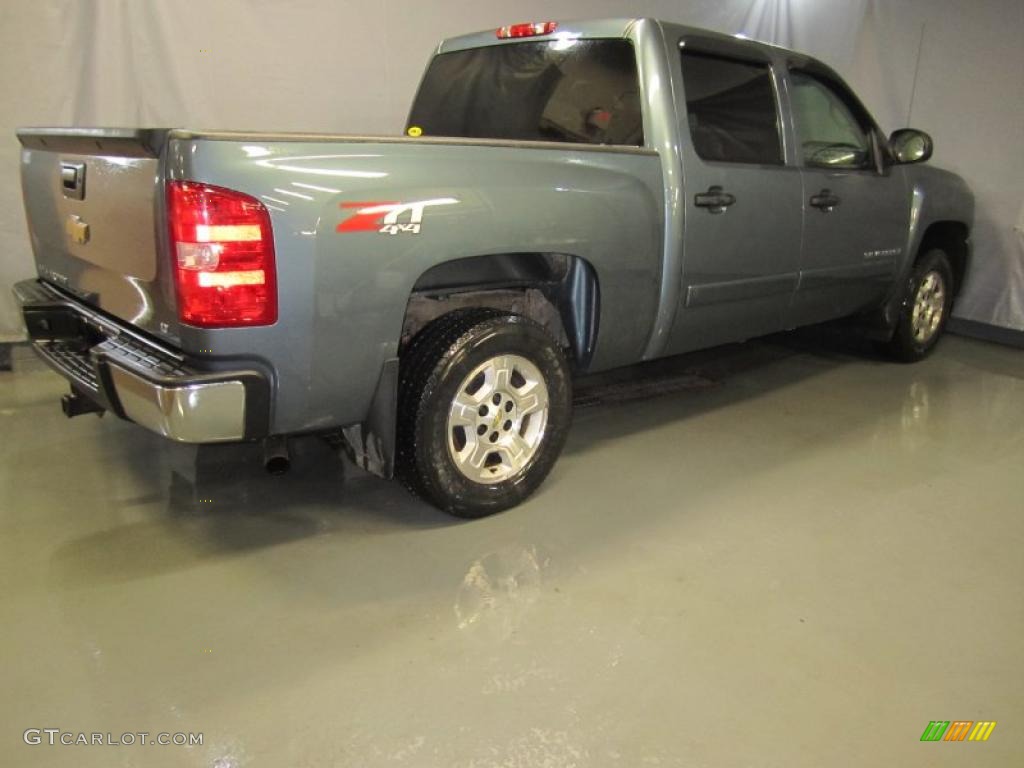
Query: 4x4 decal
point(383, 217)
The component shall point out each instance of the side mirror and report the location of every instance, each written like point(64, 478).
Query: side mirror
point(910, 146)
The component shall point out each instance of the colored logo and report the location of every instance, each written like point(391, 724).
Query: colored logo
point(77, 229)
point(958, 730)
point(389, 218)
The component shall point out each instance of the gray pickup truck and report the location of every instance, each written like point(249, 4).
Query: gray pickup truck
point(568, 198)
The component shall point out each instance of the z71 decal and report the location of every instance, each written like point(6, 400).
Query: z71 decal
point(383, 217)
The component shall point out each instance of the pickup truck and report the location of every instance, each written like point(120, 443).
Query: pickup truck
point(567, 198)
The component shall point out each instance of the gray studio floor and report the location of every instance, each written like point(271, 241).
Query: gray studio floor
point(787, 554)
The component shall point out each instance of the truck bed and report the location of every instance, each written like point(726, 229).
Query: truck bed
point(342, 290)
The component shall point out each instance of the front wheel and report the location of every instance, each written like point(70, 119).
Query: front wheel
point(927, 302)
point(484, 408)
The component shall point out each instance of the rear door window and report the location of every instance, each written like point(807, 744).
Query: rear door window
point(583, 91)
point(732, 109)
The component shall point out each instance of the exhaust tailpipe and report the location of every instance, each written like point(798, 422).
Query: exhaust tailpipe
point(277, 459)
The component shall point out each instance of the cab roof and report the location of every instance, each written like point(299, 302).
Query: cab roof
point(606, 28)
point(702, 39)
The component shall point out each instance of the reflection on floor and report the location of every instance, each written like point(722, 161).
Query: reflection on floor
point(782, 553)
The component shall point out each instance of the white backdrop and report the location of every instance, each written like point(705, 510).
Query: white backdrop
point(952, 67)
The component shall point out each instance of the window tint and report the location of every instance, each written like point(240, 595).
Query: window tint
point(830, 134)
point(577, 91)
point(731, 109)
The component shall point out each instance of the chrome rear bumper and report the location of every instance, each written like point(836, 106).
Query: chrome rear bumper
point(139, 379)
point(190, 413)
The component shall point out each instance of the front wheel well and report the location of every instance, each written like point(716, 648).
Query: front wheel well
point(558, 291)
point(951, 237)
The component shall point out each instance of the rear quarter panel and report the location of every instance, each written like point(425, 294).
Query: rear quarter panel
point(343, 294)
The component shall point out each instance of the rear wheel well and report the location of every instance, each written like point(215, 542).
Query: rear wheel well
point(951, 237)
point(558, 291)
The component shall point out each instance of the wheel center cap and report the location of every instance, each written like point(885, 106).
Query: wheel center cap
point(500, 416)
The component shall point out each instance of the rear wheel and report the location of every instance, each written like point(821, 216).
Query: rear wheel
point(927, 302)
point(484, 408)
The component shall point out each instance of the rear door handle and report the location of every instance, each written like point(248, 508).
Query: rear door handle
point(825, 200)
point(716, 200)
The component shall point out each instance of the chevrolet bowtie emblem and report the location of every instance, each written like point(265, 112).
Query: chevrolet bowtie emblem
point(77, 229)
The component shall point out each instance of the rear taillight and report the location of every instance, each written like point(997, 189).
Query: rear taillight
point(533, 29)
point(223, 250)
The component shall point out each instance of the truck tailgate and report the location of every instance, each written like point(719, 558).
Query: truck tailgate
point(93, 200)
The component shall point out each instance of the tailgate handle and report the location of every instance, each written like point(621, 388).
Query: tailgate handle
point(72, 180)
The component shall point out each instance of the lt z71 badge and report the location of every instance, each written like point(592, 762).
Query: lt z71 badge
point(383, 217)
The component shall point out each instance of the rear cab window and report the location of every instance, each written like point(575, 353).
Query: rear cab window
point(580, 91)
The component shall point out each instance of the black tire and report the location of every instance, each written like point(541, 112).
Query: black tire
point(433, 369)
point(906, 345)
